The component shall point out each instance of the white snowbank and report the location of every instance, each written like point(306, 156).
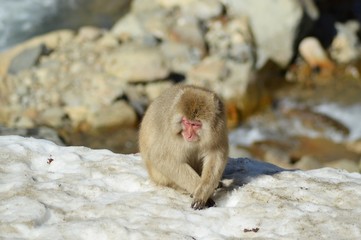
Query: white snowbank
point(96, 194)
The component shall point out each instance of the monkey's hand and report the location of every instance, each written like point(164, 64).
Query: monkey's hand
point(198, 204)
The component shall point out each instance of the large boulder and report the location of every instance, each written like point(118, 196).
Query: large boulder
point(275, 25)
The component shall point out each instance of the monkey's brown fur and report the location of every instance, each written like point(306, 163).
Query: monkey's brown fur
point(195, 167)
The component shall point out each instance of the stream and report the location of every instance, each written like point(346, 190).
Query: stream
point(305, 128)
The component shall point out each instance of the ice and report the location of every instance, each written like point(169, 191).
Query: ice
point(97, 194)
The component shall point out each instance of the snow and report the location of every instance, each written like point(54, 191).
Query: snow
point(97, 194)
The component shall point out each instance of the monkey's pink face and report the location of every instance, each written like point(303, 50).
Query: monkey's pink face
point(191, 129)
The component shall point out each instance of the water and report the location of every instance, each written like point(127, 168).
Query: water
point(275, 125)
point(350, 116)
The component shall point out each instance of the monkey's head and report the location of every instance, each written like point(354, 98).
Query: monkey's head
point(199, 109)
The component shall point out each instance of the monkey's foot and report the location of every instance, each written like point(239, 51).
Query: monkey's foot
point(199, 204)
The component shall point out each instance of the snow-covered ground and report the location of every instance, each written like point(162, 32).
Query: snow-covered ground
point(53, 192)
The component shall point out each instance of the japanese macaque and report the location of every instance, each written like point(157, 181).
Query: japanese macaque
point(183, 141)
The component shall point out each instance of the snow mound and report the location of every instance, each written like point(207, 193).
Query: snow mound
point(53, 192)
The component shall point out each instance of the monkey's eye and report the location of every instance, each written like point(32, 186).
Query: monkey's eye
point(196, 124)
point(192, 123)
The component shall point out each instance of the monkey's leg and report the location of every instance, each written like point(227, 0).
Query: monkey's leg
point(158, 177)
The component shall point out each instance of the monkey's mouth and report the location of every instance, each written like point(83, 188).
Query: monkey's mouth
point(189, 136)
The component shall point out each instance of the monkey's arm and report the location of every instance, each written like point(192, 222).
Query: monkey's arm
point(213, 167)
point(182, 174)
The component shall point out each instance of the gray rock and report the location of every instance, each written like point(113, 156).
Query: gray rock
point(27, 58)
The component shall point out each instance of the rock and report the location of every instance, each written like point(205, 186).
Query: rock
point(228, 68)
point(210, 72)
point(154, 90)
point(231, 39)
point(179, 56)
point(52, 117)
point(278, 158)
point(144, 6)
point(230, 79)
point(354, 146)
point(322, 149)
point(108, 40)
point(129, 28)
point(202, 9)
point(23, 122)
point(88, 33)
point(136, 63)
point(185, 29)
point(27, 58)
point(119, 114)
point(120, 140)
point(165, 24)
point(136, 97)
point(23, 20)
point(77, 114)
point(346, 46)
point(317, 121)
point(314, 54)
point(346, 164)
point(40, 133)
point(307, 163)
point(213, 72)
point(274, 36)
point(51, 41)
point(237, 152)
